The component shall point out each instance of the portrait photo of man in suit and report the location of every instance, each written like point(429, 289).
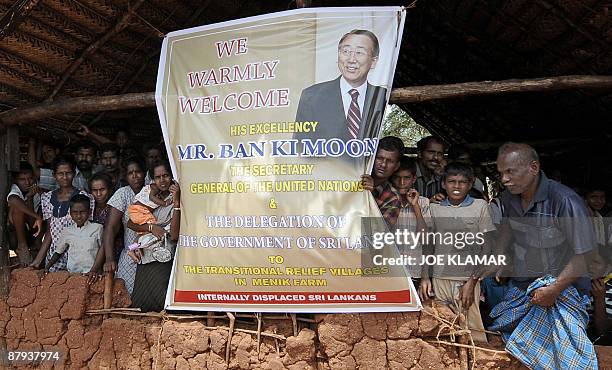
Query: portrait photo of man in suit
point(347, 107)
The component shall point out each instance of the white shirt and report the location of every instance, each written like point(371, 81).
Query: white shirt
point(16, 191)
point(144, 197)
point(83, 242)
point(600, 230)
point(346, 96)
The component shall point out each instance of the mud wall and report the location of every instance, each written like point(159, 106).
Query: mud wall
point(48, 313)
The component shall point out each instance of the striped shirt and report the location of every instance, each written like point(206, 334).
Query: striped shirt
point(407, 221)
point(427, 187)
point(47, 181)
point(407, 217)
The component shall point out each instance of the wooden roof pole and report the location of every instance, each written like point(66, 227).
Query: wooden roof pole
point(15, 15)
point(91, 49)
point(413, 94)
point(417, 94)
point(77, 105)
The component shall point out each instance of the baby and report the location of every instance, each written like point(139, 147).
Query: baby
point(141, 211)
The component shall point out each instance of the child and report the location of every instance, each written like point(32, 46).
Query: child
point(145, 202)
point(459, 215)
point(596, 200)
point(24, 201)
point(414, 214)
point(83, 238)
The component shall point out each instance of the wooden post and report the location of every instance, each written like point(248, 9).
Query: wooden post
point(12, 149)
point(108, 289)
point(5, 272)
point(9, 161)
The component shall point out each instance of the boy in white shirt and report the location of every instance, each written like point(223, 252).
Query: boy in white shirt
point(457, 216)
point(81, 241)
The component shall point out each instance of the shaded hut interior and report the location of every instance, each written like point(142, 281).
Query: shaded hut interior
point(56, 49)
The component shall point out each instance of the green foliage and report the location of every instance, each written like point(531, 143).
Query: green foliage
point(399, 123)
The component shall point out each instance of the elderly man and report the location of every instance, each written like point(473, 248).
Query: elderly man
point(548, 222)
point(347, 107)
point(543, 316)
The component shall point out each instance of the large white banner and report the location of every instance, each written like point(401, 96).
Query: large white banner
point(269, 122)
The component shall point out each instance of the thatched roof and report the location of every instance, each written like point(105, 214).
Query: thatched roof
point(44, 55)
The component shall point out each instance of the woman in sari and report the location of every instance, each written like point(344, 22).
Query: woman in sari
point(155, 262)
point(123, 197)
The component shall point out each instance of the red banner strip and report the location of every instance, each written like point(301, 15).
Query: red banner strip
point(200, 296)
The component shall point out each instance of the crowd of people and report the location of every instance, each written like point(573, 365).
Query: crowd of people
point(69, 209)
point(555, 243)
point(104, 201)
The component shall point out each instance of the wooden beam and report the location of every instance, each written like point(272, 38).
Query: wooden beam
point(118, 27)
point(77, 105)
point(414, 94)
point(417, 94)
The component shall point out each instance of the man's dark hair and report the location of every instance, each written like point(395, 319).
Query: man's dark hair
point(86, 144)
point(407, 164)
point(24, 167)
point(80, 199)
point(458, 169)
point(391, 144)
point(370, 34)
point(424, 142)
point(109, 147)
point(593, 188)
point(129, 152)
point(526, 152)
